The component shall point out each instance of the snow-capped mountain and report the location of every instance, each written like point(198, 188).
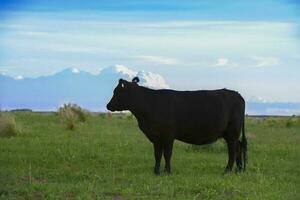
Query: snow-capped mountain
point(70, 85)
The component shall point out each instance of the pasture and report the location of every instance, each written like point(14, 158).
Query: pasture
point(107, 157)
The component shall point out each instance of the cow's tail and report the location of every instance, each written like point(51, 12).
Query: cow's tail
point(244, 145)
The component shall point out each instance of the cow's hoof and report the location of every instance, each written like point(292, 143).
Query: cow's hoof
point(227, 171)
point(238, 170)
point(167, 172)
point(156, 171)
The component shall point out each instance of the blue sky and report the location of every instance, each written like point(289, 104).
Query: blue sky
point(249, 46)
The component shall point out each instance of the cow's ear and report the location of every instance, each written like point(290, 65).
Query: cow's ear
point(122, 83)
point(135, 80)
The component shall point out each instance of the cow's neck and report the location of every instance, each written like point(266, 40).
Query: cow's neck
point(142, 103)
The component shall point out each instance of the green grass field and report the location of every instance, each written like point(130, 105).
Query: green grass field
point(110, 158)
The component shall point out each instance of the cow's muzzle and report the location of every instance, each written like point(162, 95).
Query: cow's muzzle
point(108, 107)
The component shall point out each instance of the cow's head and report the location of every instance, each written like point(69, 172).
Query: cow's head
point(122, 95)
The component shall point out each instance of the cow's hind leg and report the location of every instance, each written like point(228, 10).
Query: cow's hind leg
point(168, 147)
point(158, 149)
point(231, 137)
point(239, 163)
point(231, 145)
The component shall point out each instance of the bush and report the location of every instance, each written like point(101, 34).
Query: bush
point(109, 115)
point(289, 123)
point(286, 122)
point(81, 114)
point(8, 125)
point(71, 114)
point(271, 122)
point(292, 121)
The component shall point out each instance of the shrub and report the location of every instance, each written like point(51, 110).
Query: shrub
point(289, 123)
point(71, 114)
point(109, 115)
point(81, 113)
point(8, 125)
point(271, 122)
point(292, 121)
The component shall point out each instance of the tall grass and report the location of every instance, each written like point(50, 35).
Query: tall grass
point(283, 121)
point(72, 114)
point(8, 125)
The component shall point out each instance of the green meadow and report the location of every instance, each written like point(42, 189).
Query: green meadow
point(108, 157)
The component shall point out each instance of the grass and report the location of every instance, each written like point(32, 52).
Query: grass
point(107, 157)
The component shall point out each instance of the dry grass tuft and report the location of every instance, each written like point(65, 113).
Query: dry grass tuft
point(8, 125)
point(72, 114)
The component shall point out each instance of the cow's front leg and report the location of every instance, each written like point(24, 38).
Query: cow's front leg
point(158, 149)
point(168, 147)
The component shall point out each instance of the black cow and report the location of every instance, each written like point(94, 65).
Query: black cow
point(195, 117)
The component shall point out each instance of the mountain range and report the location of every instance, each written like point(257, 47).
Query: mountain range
point(47, 93)
point(93, 91)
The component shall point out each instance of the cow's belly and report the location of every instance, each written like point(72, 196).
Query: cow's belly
point(201, 125)
point(197, 138)
point(200, 133)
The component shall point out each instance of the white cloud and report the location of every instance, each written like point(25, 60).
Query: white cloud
point(19, 77)
point(257, 99)
point(224, 62)
point(147, 79)
point(152, 80)
point(70, 48)
point(3, 71)
point(75, 70)
point(124, 70)
point(33, 33)
point(184, 24)
point(265, 61)
point(159, 59)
